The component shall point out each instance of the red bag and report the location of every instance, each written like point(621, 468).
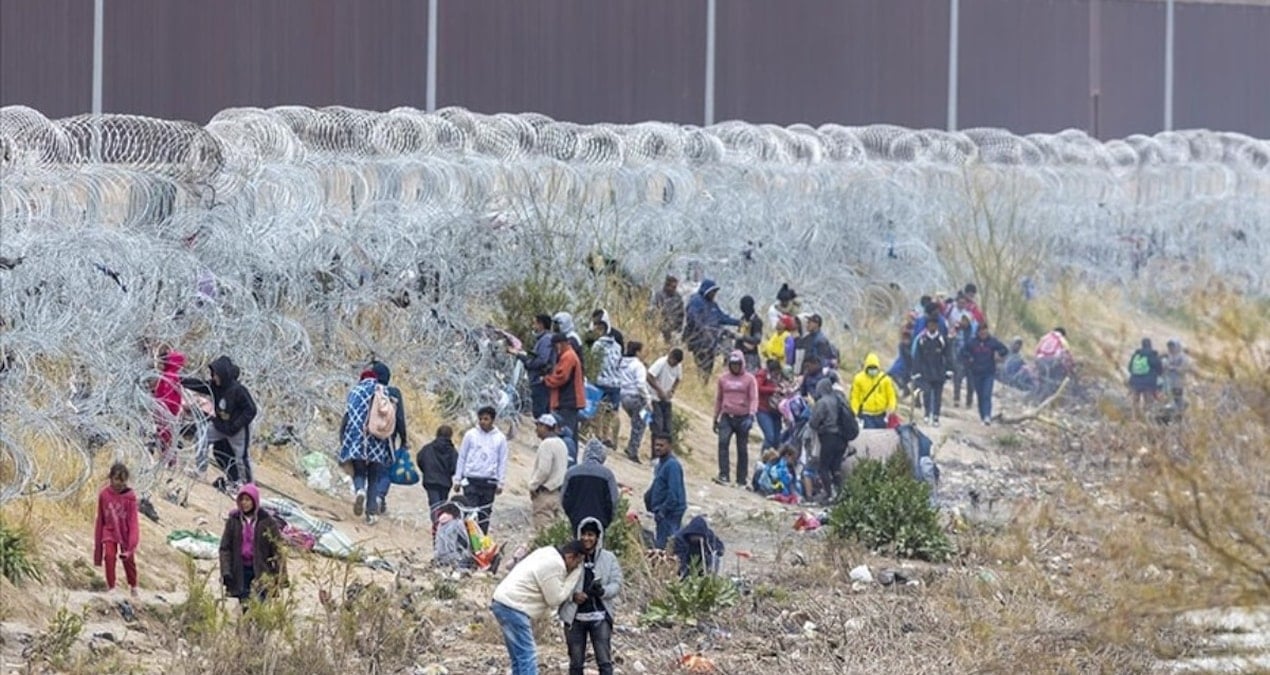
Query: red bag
point(893, 421)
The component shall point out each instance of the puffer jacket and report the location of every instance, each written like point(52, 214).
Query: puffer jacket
point(601, 566)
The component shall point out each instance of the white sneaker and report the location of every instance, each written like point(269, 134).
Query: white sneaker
point(371, 519)
point(926, 419)
point(987, 422)
point(359, 503)
point(935, 423)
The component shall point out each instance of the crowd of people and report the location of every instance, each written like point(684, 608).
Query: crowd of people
point(781, 375)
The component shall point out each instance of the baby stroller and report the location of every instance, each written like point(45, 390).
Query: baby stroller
point(459, 542)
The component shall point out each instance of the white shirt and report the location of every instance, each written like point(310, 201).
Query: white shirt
point(666, 375)
point(482, 455)
point(539, 584)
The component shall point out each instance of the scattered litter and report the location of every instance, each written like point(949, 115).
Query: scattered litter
point(196, 544)
point(806, 522)
point(327, 540)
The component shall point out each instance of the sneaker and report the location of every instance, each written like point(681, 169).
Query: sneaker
point(359, 503)
point(987, 422)
point(135, 593)
point(721, 480)
point(371, 519)
point(935, 423)
point(926, 419)
point(634, 458)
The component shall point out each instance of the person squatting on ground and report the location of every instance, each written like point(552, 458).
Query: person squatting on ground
point(252, 563)
point(590, 488)
point(589, 613)
point(703, 330)
point(668, 309)
point(451, 545)
point(873, 395)
point(608, 355)
point(233, 410)
point(664, 377)
point(735, 405)
point(698, 548)
point(362, 453)
point(1145, 369)
point(550, 463)
point(437, 461)
point(835, 427)
point(566, 386)
point(534, 588)
point(383, 479)
point(932, 365)
point(481, 468)
point(117, 532)
point(666, 498)
point(981, 356)
point(637, 397)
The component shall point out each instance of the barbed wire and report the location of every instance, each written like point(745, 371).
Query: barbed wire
point(303, 241)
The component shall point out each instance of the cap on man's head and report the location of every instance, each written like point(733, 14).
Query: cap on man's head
point(816, 318)
point(736, 356)
point(547, 420)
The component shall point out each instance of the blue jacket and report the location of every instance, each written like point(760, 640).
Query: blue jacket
point(666, 497)
point(539, 362)
point(705, 317)
point(980, 355)
point(819, 347)
point(697, 543)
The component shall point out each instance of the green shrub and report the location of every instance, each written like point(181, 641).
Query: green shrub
point(689, 600)
point(679, 423)
point(621, 538)
point(55, 643)
point(884, 507)
point(540, 293)
point(17, 555)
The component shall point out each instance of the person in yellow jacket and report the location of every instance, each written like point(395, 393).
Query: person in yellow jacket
point(775, 347)
point(873, 395)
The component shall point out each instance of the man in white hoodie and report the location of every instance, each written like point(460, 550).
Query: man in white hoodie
point(536, 587)
point(482, 465)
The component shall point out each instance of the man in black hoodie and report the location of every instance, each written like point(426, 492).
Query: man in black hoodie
point(233, 409)
point(437, 461)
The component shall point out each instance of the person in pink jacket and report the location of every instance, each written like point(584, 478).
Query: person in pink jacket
point(167, 399)
point(735, 404)
point(117, 532)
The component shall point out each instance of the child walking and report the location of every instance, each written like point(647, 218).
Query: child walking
point(117, 532)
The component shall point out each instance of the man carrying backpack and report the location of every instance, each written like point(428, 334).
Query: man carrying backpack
point(1145, 369)
point(370, 418)
point(835, 426)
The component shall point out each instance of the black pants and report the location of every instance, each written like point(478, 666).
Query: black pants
point(833, 449)
point(601, 634)
point(662, 417)
point(480, 492)
point(739, 426)
point(932, 397)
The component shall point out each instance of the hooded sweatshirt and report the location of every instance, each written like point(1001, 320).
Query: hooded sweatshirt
point(116, 522)
point(250, 541)
point(610, 355)
point(613, 331)
point(437, 461)
point(705, 317)
point(696, 542)
point(600, 566)
point(736, 395)
point(231, 402)
point(565, 321)
point(566, 382)
point(830, 415)
point(590, 489)
point(873, 395)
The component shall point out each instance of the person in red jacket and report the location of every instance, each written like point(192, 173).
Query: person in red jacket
point(167, 399)
point(117, 532)
point(566, 386)
point(772, 386)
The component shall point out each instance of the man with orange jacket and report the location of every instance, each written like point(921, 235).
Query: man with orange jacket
point(566, 386)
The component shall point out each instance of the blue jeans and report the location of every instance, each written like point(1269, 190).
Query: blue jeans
point(540, 399)
point(518, 636)
point(738, 425)
point(567, 418)
point(983, 391)
point(667, 526)
point(368, 476)
point(382, 474)
point(872, 421)
point(770, 423)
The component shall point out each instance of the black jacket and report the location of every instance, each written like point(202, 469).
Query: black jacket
point(267, 553)
point(437, 461)
point(933, 358)
point(234, 407)
point(590, 489)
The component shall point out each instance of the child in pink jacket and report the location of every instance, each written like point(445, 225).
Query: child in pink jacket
point(117, 531)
